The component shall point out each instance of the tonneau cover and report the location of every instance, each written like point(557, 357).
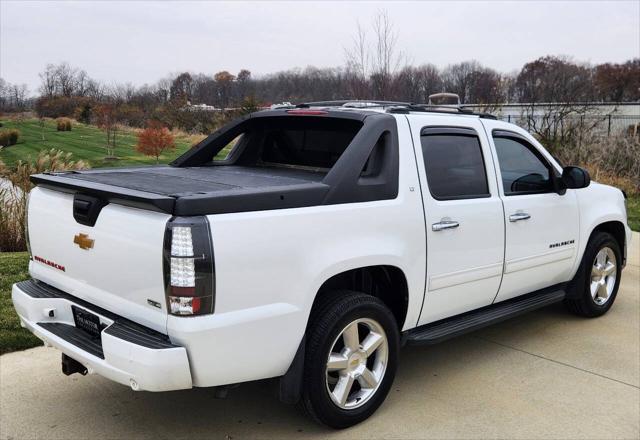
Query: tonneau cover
point(197, 190)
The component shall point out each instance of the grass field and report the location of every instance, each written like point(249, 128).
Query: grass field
point(633, 212)
point(13, 268)
point(85, 142)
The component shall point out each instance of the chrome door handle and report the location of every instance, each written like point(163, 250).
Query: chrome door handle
point(519, 216)
point(444, 224)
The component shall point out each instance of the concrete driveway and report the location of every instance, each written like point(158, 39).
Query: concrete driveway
point(544, 375)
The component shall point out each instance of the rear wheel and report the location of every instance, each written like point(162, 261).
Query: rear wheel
point(351, 358)
point(595, 287)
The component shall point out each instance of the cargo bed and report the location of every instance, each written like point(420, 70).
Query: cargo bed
point(278, 160)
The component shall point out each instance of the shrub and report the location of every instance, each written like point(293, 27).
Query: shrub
point(13, 198)
point(154, 140)
point(9, 137)
point(83, 113)
point(63, 124)
point(613, 160)
point(56, 106)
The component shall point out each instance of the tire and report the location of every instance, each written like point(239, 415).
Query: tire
point(581, 299)
point(330, 320)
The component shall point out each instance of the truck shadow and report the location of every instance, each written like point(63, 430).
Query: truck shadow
point(252, 410)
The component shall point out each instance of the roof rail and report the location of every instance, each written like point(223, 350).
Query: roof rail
point(449, 109)
point(397, 107)
point(352, 103)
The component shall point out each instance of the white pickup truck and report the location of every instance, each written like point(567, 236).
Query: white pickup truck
point(329, 236)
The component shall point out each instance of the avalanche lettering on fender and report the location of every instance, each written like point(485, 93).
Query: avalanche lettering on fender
point(49, 263)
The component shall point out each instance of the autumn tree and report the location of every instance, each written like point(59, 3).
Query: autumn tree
point(618, 82)
point(224, 83)
point(154, 140)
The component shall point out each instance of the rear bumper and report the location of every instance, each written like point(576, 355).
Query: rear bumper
point(126, 352)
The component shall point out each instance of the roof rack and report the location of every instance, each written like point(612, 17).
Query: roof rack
point(439, 109)
point(398, 107)
point(352, 103)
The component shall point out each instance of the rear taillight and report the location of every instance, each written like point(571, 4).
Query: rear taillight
point(189, 267)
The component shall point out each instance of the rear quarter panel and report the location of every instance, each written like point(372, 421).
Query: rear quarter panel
point(270, 264)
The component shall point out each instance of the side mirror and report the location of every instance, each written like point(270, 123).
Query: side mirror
point(575, 177)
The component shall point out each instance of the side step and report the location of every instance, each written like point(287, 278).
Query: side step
point(439, 331)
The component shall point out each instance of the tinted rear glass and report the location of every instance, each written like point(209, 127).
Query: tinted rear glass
point(454, 166)
point(311, 144)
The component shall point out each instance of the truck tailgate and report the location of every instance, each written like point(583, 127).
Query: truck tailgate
point(116, 264)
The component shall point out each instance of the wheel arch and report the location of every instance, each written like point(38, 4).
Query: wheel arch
point(386, 282)
point(617, 230)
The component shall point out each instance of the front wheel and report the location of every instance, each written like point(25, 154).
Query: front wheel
point(596, 284)
point(351, 358)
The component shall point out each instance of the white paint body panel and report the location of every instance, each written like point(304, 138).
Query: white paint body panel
point(269, 265)
point(464, 265)
point(120, 272)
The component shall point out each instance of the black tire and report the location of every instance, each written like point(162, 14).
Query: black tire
point(336, 311)
point(579, 299)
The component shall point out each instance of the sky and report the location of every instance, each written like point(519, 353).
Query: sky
point(142, 42)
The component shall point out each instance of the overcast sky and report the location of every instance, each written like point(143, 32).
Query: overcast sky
point(141, 42)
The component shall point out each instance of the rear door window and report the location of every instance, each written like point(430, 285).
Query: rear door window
point(454, 164)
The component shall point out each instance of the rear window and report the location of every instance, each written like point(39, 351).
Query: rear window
point(307, 143)
point(307, 148)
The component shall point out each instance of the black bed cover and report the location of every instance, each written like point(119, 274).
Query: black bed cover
point(194, 190)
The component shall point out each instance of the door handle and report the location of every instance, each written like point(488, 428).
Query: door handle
point(519, 216)
point(444, 224)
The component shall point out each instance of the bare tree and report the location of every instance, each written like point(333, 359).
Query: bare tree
point(357, 59)
point(386, 58)
point(66, 79)
point(371, 68)
point(48, 78)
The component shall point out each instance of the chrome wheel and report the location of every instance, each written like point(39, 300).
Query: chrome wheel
point(603, 276)
point(357, 363)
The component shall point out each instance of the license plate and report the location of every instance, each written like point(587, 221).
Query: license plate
point(86, 321)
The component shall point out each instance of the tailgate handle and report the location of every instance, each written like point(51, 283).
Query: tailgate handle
point(87, 208)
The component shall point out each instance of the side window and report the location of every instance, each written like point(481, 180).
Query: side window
point(224, 153)
point(523, 172)
point(454, 165)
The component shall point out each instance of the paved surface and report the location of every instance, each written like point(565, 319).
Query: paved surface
point(545, 375)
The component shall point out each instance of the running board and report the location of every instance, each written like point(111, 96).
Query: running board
point(439, 331)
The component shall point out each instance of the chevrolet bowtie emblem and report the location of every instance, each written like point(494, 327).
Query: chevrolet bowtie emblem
point(83, 241)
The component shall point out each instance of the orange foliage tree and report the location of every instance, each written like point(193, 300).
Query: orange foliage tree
point(154, 140)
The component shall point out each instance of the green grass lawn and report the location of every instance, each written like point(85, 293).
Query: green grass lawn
point(13, 268)
point(85, 142)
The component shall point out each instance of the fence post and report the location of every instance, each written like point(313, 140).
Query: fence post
point(609, 127)
point(509, 120)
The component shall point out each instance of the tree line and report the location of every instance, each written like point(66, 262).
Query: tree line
point(374, 69)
